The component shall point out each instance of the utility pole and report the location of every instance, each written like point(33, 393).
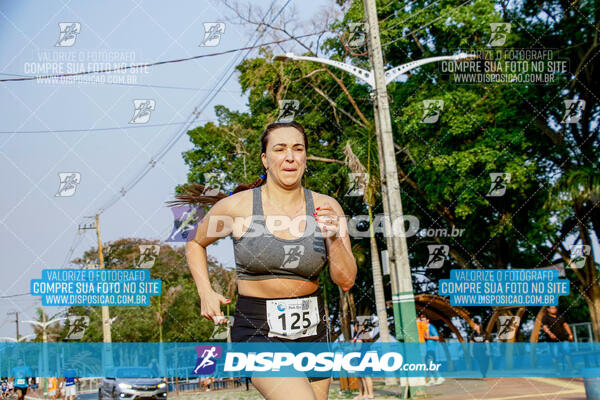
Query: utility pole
point(105, 313)
point(402, 297)
point(17, 321)
point(106, 334)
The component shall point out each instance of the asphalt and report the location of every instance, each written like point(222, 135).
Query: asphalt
point(451, 389)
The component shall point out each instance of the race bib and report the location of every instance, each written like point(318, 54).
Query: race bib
point(20, 381)
point(293, 318)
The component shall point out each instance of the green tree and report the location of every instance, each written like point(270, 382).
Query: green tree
point(444, 168)
point(173, 316)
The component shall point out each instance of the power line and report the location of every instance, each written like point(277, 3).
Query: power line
point(15, 295)
point(426, 25)
point(30, 78)
point(98, 82)
point(196, 113)
point(132, 126)
point(411, 16)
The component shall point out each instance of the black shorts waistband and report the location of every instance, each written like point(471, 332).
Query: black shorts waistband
point(256, 307)
point(264, 299)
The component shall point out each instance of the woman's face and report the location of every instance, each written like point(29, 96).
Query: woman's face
point(285, 157)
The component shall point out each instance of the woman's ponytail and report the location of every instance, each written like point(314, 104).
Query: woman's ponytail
point(194, 194)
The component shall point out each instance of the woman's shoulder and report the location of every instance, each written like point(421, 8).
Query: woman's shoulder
point(239, 203)
point(323, 200)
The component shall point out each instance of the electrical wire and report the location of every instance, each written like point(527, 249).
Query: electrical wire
point(411, 16)
point(98, 82)
point(222, 82)
point(30, 78)
point(133, 126)
point(426, 25)
point(15, 295)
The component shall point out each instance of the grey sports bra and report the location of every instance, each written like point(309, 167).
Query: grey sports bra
point(261, 255)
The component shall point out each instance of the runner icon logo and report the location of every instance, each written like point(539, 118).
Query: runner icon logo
point(68, 33)
point(221, 331)
point(287, 110)
point(437, 255)
point(499, 182)
point(573, 111)
point(212, 33)
point(292, 255)
point(432, 109)
point(579, 254)
point(205, 363)
point(499, 34)
point(213, 181)
point(185, 223)
point(142, 110)
point(358, 182)
point(507, 326)
point(358, 32)
point(68, 183)
point(148, 254)
point(77, 326)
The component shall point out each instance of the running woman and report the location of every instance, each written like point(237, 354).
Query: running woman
point(277, 264)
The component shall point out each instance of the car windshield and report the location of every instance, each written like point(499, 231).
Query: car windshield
point(133, 372)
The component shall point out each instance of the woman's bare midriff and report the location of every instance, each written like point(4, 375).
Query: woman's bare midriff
point(276, 288)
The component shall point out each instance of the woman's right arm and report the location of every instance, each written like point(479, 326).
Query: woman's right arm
point(217, 224)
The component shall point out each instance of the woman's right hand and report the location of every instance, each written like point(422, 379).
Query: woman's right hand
point(211, 306)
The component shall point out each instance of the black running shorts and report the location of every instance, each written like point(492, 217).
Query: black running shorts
point(250, 323)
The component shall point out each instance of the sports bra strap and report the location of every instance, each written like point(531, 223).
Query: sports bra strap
point(257, 208)
point(310, 207)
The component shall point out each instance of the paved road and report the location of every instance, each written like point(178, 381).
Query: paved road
point(87, 396)
point(506, 389)
point(451, 389)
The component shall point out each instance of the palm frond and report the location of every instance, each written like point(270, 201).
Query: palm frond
point(353, 162)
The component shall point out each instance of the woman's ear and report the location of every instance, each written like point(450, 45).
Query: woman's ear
point(263, 158)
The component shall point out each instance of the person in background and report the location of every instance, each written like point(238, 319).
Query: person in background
point(422, 327)
point(365, 383)
point(11, 387)
point(432, 338)
point(71, 382)
point(480, 352)
point(558, 332)
point(4, 386)
point(53, 387)
point(32, 382)
point(20, 373)
point(207, 383)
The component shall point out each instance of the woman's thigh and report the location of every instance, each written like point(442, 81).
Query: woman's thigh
point(284, 388)
point(321, 388)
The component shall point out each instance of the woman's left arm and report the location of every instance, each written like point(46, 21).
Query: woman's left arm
point(332, 221)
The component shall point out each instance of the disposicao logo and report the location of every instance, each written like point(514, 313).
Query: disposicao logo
point(307, 361)
point(206, 364)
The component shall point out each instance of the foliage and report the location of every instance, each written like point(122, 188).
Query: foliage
point(176, 311)
point(444, 168)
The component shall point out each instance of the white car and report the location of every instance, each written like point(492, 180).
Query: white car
point(132, 383)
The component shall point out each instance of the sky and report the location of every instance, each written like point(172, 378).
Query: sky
point(49, 128)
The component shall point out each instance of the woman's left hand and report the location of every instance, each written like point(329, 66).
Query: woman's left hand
point(327, 220)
